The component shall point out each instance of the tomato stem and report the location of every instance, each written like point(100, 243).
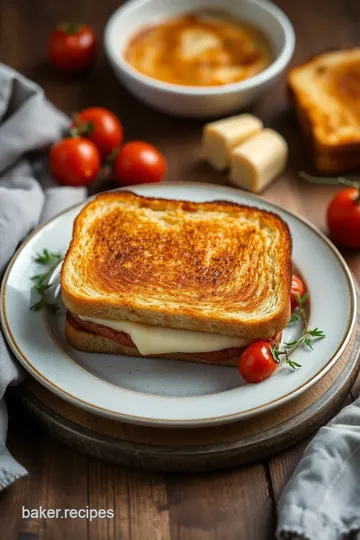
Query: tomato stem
point(329, 180)
point(85, 128)
point(80, 129)
point(73, 132)
point(112, 157)
point(69, 27)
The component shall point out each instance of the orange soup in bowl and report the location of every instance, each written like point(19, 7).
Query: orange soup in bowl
point(197, 50)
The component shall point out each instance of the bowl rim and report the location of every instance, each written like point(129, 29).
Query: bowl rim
point(256, 81)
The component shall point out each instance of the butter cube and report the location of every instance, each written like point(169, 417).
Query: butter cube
point(256, 162)
point(221, 136)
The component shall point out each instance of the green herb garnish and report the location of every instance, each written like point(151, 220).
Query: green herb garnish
point(294, 318)
point(41, 285)
point(307, 337)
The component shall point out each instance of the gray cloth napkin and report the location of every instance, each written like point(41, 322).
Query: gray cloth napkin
point(28, 195)
point(322, 499)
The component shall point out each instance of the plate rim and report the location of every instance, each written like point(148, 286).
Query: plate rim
point(26, 363)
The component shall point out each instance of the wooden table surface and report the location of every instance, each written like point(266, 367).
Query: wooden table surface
point(232, 505)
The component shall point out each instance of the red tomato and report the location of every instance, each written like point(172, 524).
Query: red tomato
point(72, 47)
point(256, 362)
point(343, 217)
point(138, 163)
point(74, 161)
point(297, 287)
point(103, 127)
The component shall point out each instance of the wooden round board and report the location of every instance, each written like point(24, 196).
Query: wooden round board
point(196, 449)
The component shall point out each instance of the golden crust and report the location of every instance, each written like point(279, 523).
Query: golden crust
point(326, 93)
point(213, 267)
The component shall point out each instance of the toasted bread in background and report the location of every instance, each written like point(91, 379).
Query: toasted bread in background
point(215, 266)
point(326, 92)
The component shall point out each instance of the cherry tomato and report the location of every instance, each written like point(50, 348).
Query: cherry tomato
point(74, 161)
point(103, 128)
point(139, 162)
point(256, 362)
point(297, 287)
point(72, 47)
point(343, 218)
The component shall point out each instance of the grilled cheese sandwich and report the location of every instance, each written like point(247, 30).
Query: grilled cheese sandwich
point(194, 281)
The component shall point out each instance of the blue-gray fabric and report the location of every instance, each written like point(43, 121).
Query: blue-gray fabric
point(322, 499)
point(28, 195)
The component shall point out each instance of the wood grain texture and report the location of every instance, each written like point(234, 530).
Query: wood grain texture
point(194, 516)
point(101, 494)
point(31, 451)
point(217, 506)
point(65, 487)
point(145, 497)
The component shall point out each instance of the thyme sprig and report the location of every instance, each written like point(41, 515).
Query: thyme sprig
point(50, 261)
point(307, 338)
point(338, 180)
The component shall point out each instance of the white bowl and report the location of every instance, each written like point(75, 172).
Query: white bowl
point(194, 100)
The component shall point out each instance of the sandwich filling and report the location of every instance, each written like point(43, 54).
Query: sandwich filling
point(152, 340)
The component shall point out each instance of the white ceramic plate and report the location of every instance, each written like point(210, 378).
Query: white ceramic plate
point(158, 391)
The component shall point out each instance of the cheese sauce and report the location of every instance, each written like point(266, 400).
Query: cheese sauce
point(195, 50)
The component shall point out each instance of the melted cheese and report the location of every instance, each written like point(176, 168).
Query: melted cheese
point(159, 340)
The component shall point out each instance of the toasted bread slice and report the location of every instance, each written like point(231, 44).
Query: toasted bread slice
point(215, 266)
point(326, 91)
point(88, 342)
